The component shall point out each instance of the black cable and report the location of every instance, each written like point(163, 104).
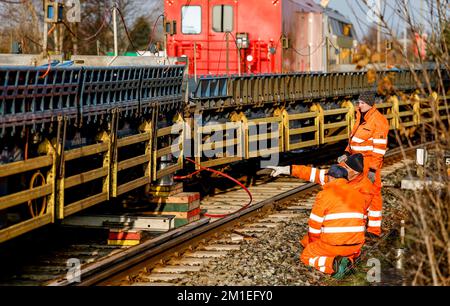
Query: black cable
point(92, 36)
point(129, 36)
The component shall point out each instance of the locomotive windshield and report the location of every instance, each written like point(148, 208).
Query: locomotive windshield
point(191, 19)
point(223, 18)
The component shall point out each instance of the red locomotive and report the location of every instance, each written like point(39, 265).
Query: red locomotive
point(254, 36)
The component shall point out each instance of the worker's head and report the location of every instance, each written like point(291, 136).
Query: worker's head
point(337, 172)
point(354, 165)
point(366, 101)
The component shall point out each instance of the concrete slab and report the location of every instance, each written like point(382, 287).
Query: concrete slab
point(155, 277)
point(177, 269)
point(206, 254)
point(222, 247)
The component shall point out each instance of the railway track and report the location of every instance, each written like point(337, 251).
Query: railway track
point(167, 258)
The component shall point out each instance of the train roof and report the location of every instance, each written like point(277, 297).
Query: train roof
point(309, 6)
point(336, 15)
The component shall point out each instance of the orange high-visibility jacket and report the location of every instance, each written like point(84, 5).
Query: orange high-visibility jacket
point(320, 176)
point(337, 217)
point(370, 138)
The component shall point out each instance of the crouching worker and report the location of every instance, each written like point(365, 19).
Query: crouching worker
point(354, 166)
point(336, 226)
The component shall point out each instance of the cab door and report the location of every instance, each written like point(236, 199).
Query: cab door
point(223, 55)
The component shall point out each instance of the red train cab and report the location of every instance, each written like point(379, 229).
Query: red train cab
point(245, 36)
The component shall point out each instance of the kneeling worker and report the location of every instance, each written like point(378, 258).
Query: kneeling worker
point(354, 166)
point(336, 226)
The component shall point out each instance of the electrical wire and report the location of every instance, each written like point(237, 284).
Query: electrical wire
point(92, 37)
point(201, 169)
point(129, 36)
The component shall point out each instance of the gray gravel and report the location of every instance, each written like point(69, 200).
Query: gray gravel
point(271, 259)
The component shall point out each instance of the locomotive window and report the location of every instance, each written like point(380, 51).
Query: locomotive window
point(191, 19)
point(222, 18)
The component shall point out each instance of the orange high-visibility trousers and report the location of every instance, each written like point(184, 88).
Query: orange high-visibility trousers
point(375, 207)
point(320, 255)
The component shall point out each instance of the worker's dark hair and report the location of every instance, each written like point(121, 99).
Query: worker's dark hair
point(337, 171)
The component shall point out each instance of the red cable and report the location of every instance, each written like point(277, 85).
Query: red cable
point(225, 176)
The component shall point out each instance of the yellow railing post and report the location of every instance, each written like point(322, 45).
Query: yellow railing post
point(319, 121)
point(350, 115)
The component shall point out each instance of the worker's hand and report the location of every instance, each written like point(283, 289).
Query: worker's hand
point(342, 158)
point(276, 171)
point(371, 175)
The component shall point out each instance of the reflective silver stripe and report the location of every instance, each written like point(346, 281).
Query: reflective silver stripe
point(322, 269)
point(312, 261)
point(314, 231)
point(312, 178)
point(322, 177)
point(344, 229)
point(322, 261)
point(357, 140)
point(378, 151)
point(375, 214)
point(363, 148)
point(374, 223)
point(344, 216)
point(380, 141)
point(316, 218)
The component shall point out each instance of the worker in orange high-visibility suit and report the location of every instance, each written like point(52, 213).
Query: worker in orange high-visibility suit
point(369, 137)
point(354, 165)
point(336, 226)
point(355, 168)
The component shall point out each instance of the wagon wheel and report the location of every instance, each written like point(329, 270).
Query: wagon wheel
point(37, 207)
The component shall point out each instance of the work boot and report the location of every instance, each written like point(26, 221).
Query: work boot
point(341, 267)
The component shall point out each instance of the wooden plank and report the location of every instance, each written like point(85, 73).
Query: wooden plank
point(303, 144)
point(207, 129)
point(264, 152)
point(384, 105)
point(406, 113)
point(265, 120)
point(335, 138)
point(335, 125)
point(25, 165)
point(219, 145)
point(85, 203)
point(168, 130)
point(85, 151)
point(85, 177)
point(173, 149)
point(303, 116)
point(133, 162)
point(266, 136)
point(302, 130)
point(25, 196)
point(168, 170)
point(133, 185)
point(24, 227)
point(126, 141)
point(220, 161)
point(335, 111)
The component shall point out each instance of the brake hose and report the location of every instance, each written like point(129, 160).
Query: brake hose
point(201, 168)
